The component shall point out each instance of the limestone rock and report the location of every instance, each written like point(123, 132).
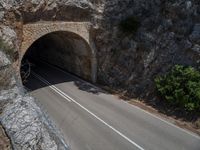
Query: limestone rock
point(8, 35)
point(1, 15)
point(4, 61)
point(195, 36)
point(196, 48)
point(26, 124)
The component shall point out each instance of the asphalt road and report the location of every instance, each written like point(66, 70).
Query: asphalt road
point(91, 119)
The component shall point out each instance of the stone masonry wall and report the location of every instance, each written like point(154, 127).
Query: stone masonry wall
point(32, 32)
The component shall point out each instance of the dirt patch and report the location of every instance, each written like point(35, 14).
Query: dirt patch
point(4, 140)
point(5, 143)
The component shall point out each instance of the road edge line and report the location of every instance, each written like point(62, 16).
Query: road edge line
point(153, 115)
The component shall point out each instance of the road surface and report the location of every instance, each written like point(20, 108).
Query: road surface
point(91, 119)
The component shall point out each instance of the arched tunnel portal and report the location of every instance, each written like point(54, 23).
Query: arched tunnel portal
point(65, 45)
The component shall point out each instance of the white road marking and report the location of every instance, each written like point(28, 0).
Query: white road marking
point(153, 115)
point(165, 121)
point(91, 113)
point(54, 88)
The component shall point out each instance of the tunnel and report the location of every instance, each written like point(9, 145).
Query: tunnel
point(64, 50)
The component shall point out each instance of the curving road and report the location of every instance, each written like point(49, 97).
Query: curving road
point(91, 119)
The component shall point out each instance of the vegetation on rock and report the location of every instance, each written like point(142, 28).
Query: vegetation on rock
point(181, 87)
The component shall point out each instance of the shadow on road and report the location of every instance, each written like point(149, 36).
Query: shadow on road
point(56, 76)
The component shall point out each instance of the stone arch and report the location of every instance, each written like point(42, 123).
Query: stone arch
point(33, 32)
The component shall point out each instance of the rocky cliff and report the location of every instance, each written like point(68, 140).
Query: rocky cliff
point(168, 34)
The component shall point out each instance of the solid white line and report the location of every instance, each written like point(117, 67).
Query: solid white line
point(98, 118)
point(58, 91)
point(111, 127)
point(165, 121)
point(69, 74)
point(153, 115)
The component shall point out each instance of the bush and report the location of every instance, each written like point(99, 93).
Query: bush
point(181, 87)
point(129, 25)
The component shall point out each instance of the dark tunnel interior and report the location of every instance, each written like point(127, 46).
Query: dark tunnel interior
point(65, 50)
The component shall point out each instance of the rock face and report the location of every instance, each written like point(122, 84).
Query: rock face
point(27, 125)
point(24, 122)
point(168, 34)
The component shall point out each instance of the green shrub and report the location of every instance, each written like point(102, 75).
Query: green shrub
point(6, 49)
point(129, 25)
point(181, 87)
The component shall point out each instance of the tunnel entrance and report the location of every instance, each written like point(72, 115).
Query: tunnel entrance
point(61, 49)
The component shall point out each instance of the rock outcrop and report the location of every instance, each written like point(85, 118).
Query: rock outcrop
point(23, 120)
point(26, 125)
point(168, 34)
